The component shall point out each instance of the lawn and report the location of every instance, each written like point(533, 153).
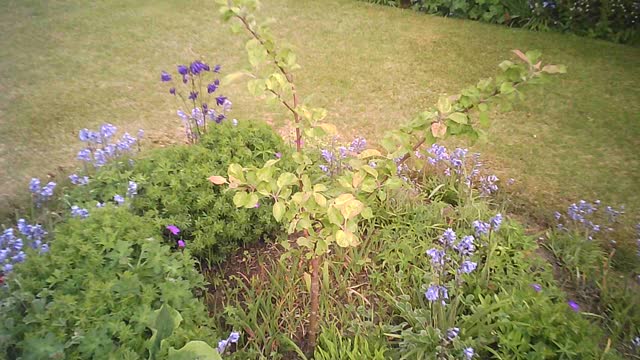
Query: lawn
point(71, 64)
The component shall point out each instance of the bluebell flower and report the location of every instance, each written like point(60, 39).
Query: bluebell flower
point(437, 257)
point(100, 204)
point(47, 191)
point(216, 69)
point(358, 145)
point(84, 155)
point(19, 257)
point(327, 155)
point(7, 268)
point(211, 88)
point(193, 95)
point(468, 353)
point(468, 266)
point(118, 199)
point(165, 76)
point(132, 190)
point(222, 344)
point(496, 221)
point(100, 157)
point(182, 70)
point(465, 247)
point(481, 228)
point(107, 130)
point(448, 237)
point(439, 154)
point(77, 180)
point(452, 333)
point(172, 91)
point(198, 66)
point(79, 212)
point(220, 100)
point(435, 292)
point(324, 168)
point(34, 185)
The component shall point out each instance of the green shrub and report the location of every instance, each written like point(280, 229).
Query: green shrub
point(92, 295)
point(615, 20)
point(173, 188)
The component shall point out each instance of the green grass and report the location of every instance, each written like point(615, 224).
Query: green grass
point(71, 64)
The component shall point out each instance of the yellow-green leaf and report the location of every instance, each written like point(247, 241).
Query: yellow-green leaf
point(278, 210)
point(369, 153)
point(459, 117)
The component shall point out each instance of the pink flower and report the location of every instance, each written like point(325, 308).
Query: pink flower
point(173, 229)
point(181, 244)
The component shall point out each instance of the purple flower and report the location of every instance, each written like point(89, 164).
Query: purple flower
point(536, 287)
point(448, 237)
point(358, 145)
point(439, 154)
point(216, 69)
point(496, 221)
point(79, 212)
point(108, 130)
point(34, 185)
point(452, 333)
point(557, 216)
point(100, 204)
point(165, 76)
point(182, 70)
point(193, 95)
point(468, 353)
point(132, 190)
point(220, 100)
point(173, 229)
point(327, 155)
point(278, 155)
point(118, 199)
point(47, 191)
point(84, 155)
point(181, 244)
point(437, 257)
point(435, 292)
point(481, 228)
point(198, 66)
point(77, 180)
point(172, 91)
point(468, 266)
point(465, 246)
point(573, 305)
point(233, 338)
point(212, 87)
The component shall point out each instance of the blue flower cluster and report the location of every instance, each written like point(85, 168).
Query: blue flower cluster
point(459, 261)
point(101, 147)
point(12, 246)
point(588, 217)
point(333, 157)
point(79, 212)
point(465, 167)
point(194, 98)
point(78, 180)
point(39, 193)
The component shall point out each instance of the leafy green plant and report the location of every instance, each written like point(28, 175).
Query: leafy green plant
point(93, 294)
point(172, 188)
point(332, 344)
point(322, 215)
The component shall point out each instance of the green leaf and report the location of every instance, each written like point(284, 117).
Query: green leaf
point(240, 199)
point(351, 208)
point(256, 52)
point(252, 201)
point(278, 210)
point(506, 88)
point(458, 117)
point(369, 153)
point(194, 350)
point(286, 179)
point(334, 216)
point(162, 324)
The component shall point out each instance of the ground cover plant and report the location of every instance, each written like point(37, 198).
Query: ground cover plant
point(396, 250)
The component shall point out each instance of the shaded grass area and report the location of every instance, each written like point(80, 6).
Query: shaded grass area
point(65, 65)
